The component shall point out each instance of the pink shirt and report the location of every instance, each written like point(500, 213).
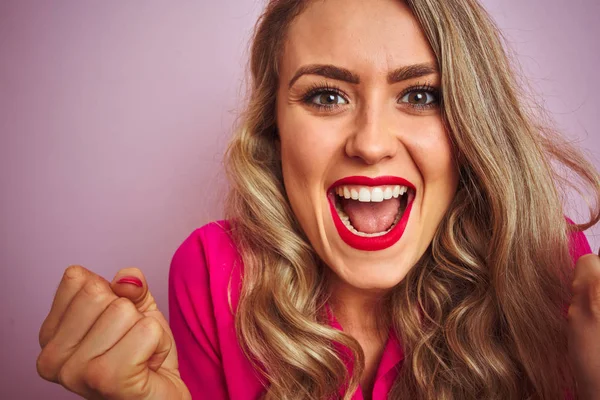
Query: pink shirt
point(211, 361)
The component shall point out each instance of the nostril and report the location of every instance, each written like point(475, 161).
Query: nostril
point(372, 144)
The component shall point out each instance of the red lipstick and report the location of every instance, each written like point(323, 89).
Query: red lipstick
point(378, 242)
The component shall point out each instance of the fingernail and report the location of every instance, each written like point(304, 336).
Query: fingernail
point(131, 279)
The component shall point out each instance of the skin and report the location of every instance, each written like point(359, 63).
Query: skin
point(584, 326)
point(106, 340)
point(370, 132)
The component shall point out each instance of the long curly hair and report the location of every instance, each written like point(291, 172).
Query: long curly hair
point(483, 313)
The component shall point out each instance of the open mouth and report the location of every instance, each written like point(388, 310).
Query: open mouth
point(368, 214)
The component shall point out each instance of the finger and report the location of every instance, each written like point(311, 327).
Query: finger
point(131, 283)
point(74, 277)
point(126, 283)
point(586, 286)
point(125, 365)
point(148, 345)
point(114, 323)
point(81, 314)
point(587, 269)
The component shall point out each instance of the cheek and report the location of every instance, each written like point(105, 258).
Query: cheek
point(438, 163)
point(308, 147)
point(298, 161)
point(298, 170)
point(306, 153)
point(432, 152)
point(434, 157)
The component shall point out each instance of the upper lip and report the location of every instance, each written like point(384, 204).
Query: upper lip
point(367, 181)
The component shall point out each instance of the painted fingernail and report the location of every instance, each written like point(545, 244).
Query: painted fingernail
point(131, 279)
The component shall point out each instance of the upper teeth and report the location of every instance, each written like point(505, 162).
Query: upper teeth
point(370, 193)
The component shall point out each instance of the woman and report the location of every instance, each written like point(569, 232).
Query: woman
point(394, 230)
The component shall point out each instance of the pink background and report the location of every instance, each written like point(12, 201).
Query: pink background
point(114, 116)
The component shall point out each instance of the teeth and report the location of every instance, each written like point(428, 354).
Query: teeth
point(367, 194)
point(346, 193)
point(364, 195)
point(346, 220)
point(387, 194)
point(377, 195)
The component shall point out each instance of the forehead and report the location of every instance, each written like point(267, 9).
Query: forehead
point(370, 37)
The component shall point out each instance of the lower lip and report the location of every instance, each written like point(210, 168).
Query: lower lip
point(369, 243)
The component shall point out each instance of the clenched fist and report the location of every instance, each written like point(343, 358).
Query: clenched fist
point(584, 327)
point(108, 340)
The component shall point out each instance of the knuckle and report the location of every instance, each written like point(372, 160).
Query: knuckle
point(43, 368)
point(67, 377)
point(594, 295)
point(124, 308)
point(573, 314)
point(74, 273)
point(47, 362)
point(570, 313)
point(585, 259)
point(150, 325)
point(95, 288)
point(99, 376)
point(575, 284)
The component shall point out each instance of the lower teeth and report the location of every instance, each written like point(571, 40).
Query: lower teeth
point(346, 220)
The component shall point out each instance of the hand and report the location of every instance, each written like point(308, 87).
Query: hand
point(108, 340)
point(584, 327)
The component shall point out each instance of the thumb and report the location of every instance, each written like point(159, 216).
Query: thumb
point(131, 283)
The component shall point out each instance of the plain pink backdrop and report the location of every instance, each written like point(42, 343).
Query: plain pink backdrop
point(113, 120)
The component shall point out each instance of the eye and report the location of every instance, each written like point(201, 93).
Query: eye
point(327, 99)
point(420, 97)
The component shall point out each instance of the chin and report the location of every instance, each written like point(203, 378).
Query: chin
point(372, 276)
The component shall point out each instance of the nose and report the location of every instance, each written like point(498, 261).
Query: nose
point(373, 139)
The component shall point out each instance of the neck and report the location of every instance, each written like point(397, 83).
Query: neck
point(357, 309)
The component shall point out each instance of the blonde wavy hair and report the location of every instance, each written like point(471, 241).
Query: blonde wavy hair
point(482, 315)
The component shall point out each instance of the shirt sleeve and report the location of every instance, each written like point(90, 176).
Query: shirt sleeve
point(192, 321)
point(578, 244)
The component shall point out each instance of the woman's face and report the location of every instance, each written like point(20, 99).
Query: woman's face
point(367, 163)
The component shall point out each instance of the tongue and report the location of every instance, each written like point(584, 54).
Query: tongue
point(370, 217)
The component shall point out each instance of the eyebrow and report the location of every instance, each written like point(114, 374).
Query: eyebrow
point(342, 74)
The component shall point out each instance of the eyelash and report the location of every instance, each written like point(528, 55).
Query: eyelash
point(332, 89)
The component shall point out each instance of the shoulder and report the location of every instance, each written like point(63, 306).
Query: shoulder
point(209, 247)
point(204, 287)
point(211, 240)
point(207, 263)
